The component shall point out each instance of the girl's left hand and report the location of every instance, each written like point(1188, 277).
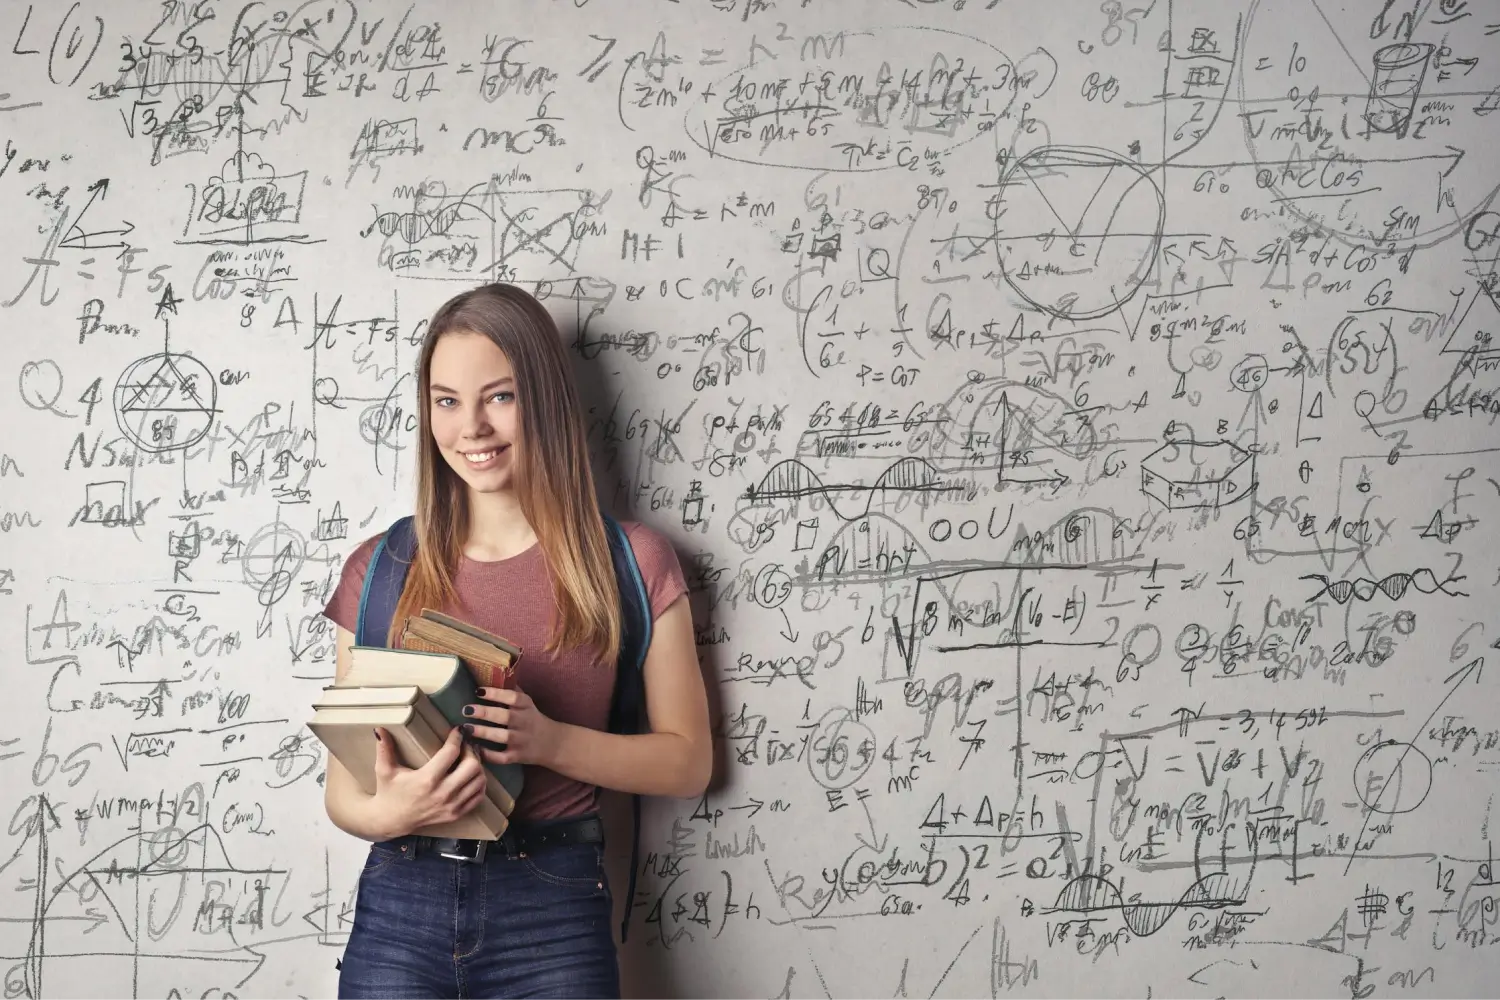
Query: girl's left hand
point(529, 736)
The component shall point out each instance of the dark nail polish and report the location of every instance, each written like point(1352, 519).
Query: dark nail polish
point(468, 709)
point(468, 731)
point(377, 735)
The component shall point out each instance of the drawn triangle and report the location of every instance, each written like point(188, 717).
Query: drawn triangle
point(1450, 346)
point(1339, 933)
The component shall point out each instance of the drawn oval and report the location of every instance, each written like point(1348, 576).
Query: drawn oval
point(1077, 263)
point(1393, 777)
point(1381, 145)
point(842, 749)
point(870, 92)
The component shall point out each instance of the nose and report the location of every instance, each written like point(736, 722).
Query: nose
point(476, 424)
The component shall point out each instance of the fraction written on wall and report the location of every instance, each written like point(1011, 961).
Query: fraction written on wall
point(1077, 423)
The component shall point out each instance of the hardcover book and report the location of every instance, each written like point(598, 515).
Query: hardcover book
point(347, 730)
point(490, 658)
point(448, 684)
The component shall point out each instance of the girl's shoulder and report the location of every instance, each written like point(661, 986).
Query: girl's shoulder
point(647, 542)
point(343, 604)
point(358, 560)
point(660, 568)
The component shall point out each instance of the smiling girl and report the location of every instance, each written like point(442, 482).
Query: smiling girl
point(510, 537)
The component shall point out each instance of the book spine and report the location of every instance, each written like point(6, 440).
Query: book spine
point(486, 813)
point(450, 701)
point(497, 793)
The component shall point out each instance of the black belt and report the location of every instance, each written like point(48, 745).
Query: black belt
point(518, 838)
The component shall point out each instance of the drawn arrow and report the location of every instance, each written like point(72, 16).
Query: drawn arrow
point(1057, 479)
point(1458, 154)
point(260, 960)
point(875, 843)
point(1455, 680)
point(77, 239)
point(754, 805)
point(45, 822)
point(93, 915)
point(787, 633)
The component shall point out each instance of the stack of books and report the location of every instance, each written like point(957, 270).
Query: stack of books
point(417, 694)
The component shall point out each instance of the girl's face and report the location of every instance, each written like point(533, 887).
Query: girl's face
point(472, 404)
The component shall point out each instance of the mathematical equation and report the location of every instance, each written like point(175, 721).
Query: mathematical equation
point(1077, 426)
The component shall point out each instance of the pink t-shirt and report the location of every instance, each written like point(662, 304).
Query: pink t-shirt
point(513, 598)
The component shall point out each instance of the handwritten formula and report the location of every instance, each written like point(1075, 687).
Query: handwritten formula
point(1077, 423)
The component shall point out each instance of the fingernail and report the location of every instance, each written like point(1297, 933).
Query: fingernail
point(484, 692)
point(468, 709)
point(469, 731)
point(377, 735)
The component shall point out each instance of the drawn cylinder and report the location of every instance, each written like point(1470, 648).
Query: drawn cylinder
point(1395, 86)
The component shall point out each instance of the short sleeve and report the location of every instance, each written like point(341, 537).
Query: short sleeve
point(343, 607)
point(660, 568)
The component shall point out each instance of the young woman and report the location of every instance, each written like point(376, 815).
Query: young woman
point(510, 538)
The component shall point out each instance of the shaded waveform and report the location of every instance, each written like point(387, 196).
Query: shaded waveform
point(1395, 586)
point(1090, 893)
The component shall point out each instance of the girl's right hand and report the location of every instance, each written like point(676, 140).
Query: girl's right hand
point(447, 787)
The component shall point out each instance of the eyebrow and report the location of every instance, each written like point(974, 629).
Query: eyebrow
point(484, 388)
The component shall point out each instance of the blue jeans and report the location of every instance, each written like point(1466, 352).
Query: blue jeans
point(512, 925)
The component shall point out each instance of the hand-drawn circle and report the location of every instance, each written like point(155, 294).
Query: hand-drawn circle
point(816, 598)
point(772, 586)
point(170, 849)
point(1250, 374)
point(1131, 655)
point(43, 378)
point(1481, 231)
point(1364, 403)
point(165, 402)
point(843, 749)
point(1404, 771)
point(380, 424)
point(272, 558)
point(1089, 267)
point(1193, 641)
point(1467, 181)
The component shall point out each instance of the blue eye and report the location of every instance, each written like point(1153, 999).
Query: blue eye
point(503, 394)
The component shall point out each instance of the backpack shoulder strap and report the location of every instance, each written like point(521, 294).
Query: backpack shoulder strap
point(384, 579)
point(627, 710)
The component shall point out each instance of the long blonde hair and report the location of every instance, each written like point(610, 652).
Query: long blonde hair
point(553, 480)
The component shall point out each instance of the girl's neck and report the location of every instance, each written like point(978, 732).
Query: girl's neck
point(497, 527)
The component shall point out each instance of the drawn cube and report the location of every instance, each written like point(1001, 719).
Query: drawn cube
point(1188, 474)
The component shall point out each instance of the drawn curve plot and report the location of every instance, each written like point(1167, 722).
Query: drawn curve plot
point(1077, 230)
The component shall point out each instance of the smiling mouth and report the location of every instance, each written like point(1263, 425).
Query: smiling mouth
point(481, 457)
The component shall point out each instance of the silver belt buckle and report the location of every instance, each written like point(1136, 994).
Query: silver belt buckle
point(474, 858)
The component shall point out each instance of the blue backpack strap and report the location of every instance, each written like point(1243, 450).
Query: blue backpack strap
point(386, 576)
point(628, 707)
point(627, 710)
point(384, 579)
